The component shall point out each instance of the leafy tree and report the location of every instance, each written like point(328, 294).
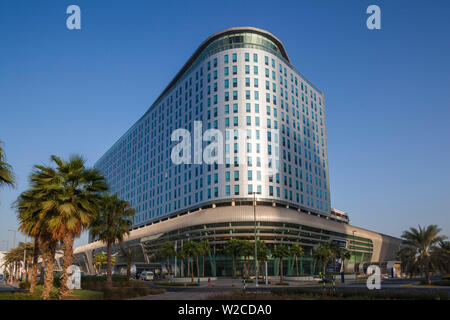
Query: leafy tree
point(167, 251)
point(101, 259)
point(232, 247)
point(296, 250)
point(111, 225)
point(323, 254)
point(423, 240)
point(280, 252)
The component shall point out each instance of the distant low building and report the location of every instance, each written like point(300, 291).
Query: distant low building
point(339, 215)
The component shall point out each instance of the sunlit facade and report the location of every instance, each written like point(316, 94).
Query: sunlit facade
point(240, 82)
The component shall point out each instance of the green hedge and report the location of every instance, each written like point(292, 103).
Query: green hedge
point(361, 294)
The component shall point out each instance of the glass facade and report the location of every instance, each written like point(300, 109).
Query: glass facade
point(271, 116)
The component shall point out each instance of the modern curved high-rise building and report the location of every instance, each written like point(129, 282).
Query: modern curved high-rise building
point(237, 122)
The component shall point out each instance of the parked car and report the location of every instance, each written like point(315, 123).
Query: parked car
point(146, 275)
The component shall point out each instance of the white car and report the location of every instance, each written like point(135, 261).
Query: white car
point(146, 275)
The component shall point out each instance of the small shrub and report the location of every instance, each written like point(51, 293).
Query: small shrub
point(443, 282)
point(57, 281)
point(24, 285)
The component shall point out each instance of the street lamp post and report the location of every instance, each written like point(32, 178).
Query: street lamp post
point(14, 239)
point(24, 257)
point(354, 252)
point(256, 253)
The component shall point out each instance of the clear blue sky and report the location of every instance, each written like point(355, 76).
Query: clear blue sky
point(387, 91)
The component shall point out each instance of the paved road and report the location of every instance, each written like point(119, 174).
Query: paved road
point(4, 287)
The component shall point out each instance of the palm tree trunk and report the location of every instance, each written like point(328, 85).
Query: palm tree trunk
point(198, 270)
point(168, 268)
point(234, 266)
point(67, 262)
point(427, 271)
point(109, 265)
point(281, 270)
point(192, 269)
point(128, 271)
point(33, 280)
point(296, 263)
point(324, 265)
point(182, 268)
point(188, 266)
point(203, 267)
point(44, 263)
point(49, 267)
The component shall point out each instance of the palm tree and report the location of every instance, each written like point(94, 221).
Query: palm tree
point(408, 260)
point(323, 254)
point(28, 208)
point(335, 249)
point(204, 249)
point(343, 254)
point(181, 254)
point(73, 199)
point(232, 248)
point(440, 257)
point(262, 252)
point(129, 255)
point(6, 174)
point(34, 217)
point(111, 224)
point(246, 249)
point(423, 240)
point(190, 249)
point(296, 250)
point(280, 252)
point(167, 251)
